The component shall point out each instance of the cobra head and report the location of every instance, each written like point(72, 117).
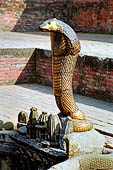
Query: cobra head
point(49, 25)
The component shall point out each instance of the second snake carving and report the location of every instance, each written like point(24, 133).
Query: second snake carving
point(65, 48)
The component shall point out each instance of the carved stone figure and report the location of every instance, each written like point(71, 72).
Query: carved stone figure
point(41, 127)
point(54, 127)
point(65, 47)
point(43, 118)
point(31, 129)
point(22, 119)
point(33, 113)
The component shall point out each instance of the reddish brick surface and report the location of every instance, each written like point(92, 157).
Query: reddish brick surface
point(92, 16)
point(82, 15)
point(28, 15)
point(44, 67)
point(17, 67)
point(93, 79)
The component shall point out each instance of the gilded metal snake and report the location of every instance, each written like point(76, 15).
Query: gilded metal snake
point(88, 162)
point(97, 161)
point(65, 48)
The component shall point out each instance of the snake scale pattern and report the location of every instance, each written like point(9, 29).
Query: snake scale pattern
point(97, 161)
point(88, 162)
point(65, 48)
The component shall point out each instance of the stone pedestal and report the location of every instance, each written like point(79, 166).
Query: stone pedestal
point(83, 143)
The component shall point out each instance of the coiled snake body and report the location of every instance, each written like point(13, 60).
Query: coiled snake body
point(87, 162)
point(65, 47)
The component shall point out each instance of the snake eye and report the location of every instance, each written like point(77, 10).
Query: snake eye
point(49, 22)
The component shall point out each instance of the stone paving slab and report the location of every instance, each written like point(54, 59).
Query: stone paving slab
point(12, 40)
point(15, 98)
point(96, 37)
point(91, 44)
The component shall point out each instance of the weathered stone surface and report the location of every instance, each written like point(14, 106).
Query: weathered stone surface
point(106, 130)
point(4, 136)
point(8, 148)
point(1, 122)
point(23, 117)
point(84, 142)
point(56, 154)
point(54, 126)
point(19, 152)
point(88, 162)
point(18, 53)
point(70, 164)
point(33, 113)
point(95, 62)
point(8, 126)
point(22, 130)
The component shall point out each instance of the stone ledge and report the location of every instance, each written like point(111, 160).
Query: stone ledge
point(95, 62)
point(12, 53)
point(51, 153)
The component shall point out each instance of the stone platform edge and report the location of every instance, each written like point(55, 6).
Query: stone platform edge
point(92, 76)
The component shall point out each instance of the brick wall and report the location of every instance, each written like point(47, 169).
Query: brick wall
point(82, 15)
point(92, 15)
point(92, 76)
point(44, 67)
point(21, 15)
point(17, 66)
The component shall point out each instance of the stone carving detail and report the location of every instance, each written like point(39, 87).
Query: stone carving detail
point(54, 127)
point(50, 129)
point(33, 113)
point(41, 127)
point(22, 119)
point(43, 118)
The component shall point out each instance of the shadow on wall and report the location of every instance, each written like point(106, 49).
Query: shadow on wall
point(27, 68)
point(36, 11)
point(19, 67)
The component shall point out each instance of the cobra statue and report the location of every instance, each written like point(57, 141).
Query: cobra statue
point(65, 47)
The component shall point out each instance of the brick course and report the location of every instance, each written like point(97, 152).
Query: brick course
point(82, 15)
point(17, 66)
point(44, 67)
point(92, 16)
point(92, 76)
point(27, 15)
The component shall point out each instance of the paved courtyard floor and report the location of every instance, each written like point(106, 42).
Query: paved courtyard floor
point(91, 44)
point(16, 98)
